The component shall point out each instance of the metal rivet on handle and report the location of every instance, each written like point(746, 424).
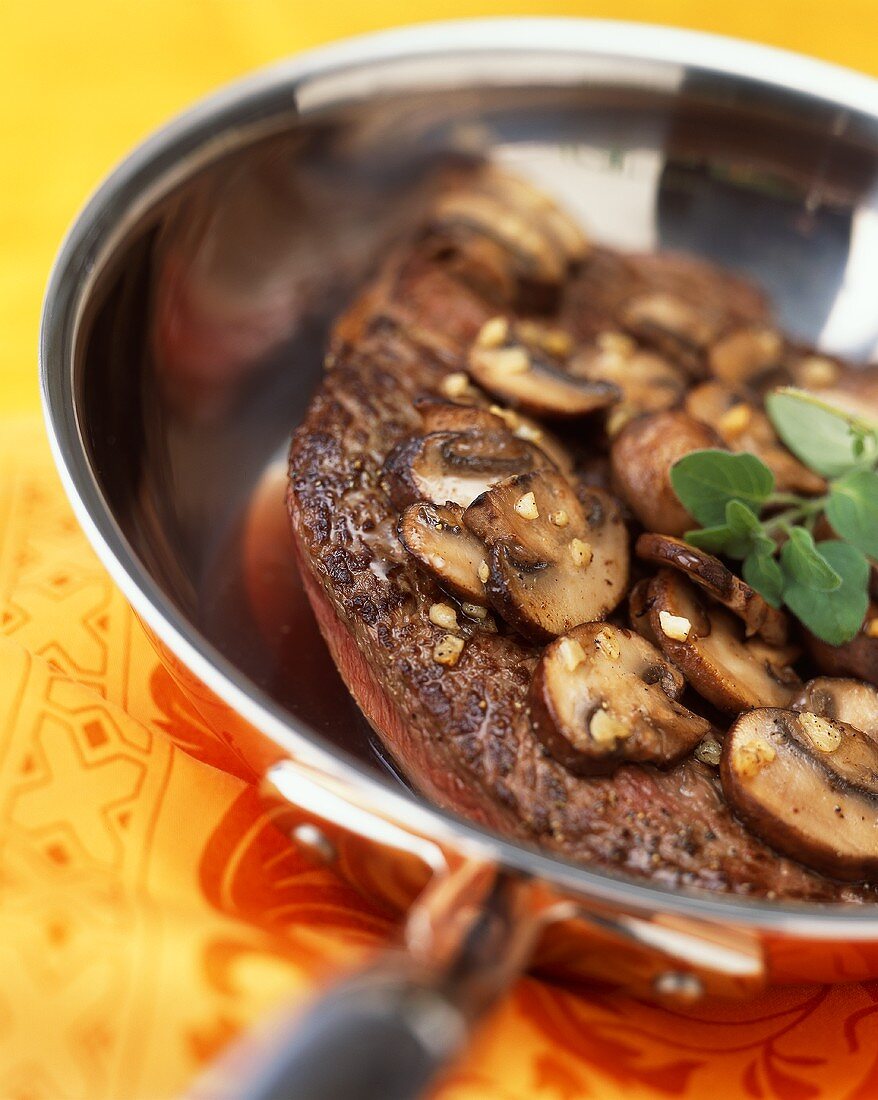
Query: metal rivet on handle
point(318, 844)
point(679, 986)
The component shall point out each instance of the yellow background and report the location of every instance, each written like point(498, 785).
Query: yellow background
point(80, 83)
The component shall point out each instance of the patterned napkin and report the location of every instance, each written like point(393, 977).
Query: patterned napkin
point(149, 910)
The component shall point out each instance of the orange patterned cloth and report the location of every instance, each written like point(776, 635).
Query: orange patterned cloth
point(149, 910)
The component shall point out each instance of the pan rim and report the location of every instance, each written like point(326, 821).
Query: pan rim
point(199, 131)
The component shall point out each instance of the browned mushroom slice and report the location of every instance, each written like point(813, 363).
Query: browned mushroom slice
point(537, 241)
point(434, 535)
point(858, 657)
point(744, 427)
point(707, 642)
point(602, 696)
point(808, 786)
point(541, 208)
point(719, 581)
point(527, 378)
point(555, 559)
point(673, 326)
point(647, 381)
point(642, 456)
point(455, 466)
point(843, 700)
point(440, 416)
point(743, 354)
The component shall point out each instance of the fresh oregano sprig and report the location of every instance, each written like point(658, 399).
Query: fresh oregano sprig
point(825, 584)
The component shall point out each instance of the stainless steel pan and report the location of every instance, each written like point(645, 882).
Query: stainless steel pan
point(181, 339)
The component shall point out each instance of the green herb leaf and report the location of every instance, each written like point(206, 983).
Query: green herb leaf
point(835, 616)
point(803, 563)
point(828, 440)
point(705, 482)
point(713, 539)
point(762, 572)
point(852, 509)
point(742, 520)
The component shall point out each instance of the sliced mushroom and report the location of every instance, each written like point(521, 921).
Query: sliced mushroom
point(555, 559)
point(743, 354)
point(435, 536)
point(859, 657)
point(672, 325)
point(527, 378)
point(456, 466)
point(842, 700)
point(642, 456)
point(744, 427)
point(808, 786)
point(522, 427)
point(718, 581)
point(537, 243)
point(441, 416)
point(707, 642)
point(602, 696)
point(647, 381)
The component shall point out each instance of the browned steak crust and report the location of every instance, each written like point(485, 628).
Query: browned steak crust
point(462, 734)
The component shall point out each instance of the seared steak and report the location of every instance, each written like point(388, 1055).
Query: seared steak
point(460, 725)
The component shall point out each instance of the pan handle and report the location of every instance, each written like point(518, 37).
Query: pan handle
point(384, 1034)
point(387, 1032)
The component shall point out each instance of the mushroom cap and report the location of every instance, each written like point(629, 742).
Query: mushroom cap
point(445, 416)
point(602, 696)
point(456, 466)
point(556, 559)
point(842, 700)
point(718, 581)
point(642, 455)
point(732, 672)
point(527, 378)
point(745, 352)
point(435, 536)
point(743, 426)
point(648, 382)
point(808, 786)
point(674, 326)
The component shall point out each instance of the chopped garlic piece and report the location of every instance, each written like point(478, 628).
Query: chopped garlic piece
point(607, 644)
point(484, 572)
point(618, 417)
point(822, 734)
point(674, 626)
point(528, 433)
point(606, 729)
point(514, 360)
point(493, 333)
point(455, 384)
point(447, 650)
point(616, 342)
point(444, 615)
point(709, 751)
point(581, 552)
point(559, 518)
point(526, 507)
point(752, 756)
point(571, 653)
point(817, 372)
point(735, 421)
